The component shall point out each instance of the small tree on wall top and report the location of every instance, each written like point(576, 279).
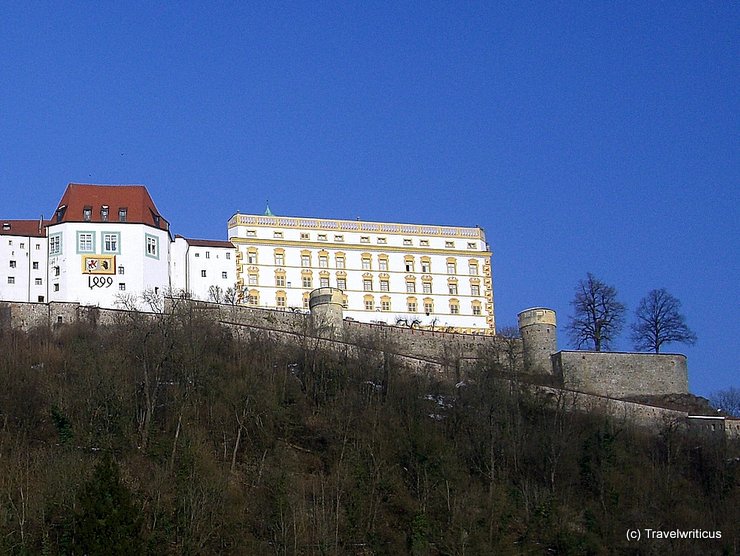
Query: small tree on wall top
point(659, 322)
point(599, 315)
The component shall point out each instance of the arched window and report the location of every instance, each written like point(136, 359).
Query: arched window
point(281, 299)
point(411, 305)
point(369, 301)
point(385, 303)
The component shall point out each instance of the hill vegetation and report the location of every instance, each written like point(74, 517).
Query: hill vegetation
point(168, 435)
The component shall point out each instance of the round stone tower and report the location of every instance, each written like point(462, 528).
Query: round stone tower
point(326, 309)
point(538, 328)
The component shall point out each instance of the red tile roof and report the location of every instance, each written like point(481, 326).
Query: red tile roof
point(140, 209)
point(207, 242)
point(26, 228)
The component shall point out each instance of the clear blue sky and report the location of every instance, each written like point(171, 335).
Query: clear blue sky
point(584, 137)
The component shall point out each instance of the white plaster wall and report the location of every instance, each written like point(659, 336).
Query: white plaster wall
point(24, 251)
point(140, 272)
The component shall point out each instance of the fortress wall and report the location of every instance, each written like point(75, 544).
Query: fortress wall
point(439, 346)
point(646, 416)
point(620, 375)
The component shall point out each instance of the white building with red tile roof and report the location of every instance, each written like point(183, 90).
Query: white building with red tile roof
point(23, 260)
point(204, 268)
point(106, 242)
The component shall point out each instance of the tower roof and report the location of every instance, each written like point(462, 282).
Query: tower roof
point(79, 199)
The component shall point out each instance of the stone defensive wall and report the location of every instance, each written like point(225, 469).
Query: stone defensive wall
point(618, 375)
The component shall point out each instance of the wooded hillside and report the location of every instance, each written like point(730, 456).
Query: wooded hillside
point(168, 436)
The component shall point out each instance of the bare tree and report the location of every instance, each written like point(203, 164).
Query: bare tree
point(727, 400)
point(599, 315)
point(215, 294)
point(659, 322)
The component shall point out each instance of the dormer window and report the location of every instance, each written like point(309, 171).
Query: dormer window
point(156, 220)
point(60, 212)
point(104, 213)
point(122, 212)
point(6, 226)
point(87, 214)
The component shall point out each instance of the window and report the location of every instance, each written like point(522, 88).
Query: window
point(385, 303)
point(228, 256)
point(324, 282)
point(87, 214)
point(382, 240)
point(306, 297)
point(122, 287)
point(279, 258)
point(383, 263)
point(367, 285)
point(305, 261)
point(12, 264)
point(38, 281)
point(364, 239)
point(57, 271)
point(452, 288)
point(253, 298)
point(476, 308)
point(369, 303)
point(208, 254)
point(321, 237)
point(197, 255)
point(252, 279)
point(340, 261)
point(473, 268)
point(384, 286)
point(152, 246)
point(471, 245)
point(104, 213)
point(252, 255)
point(38, 247)
point(307, 281)
point(410, 286)
point(411, 305)
point(342, 283)
point(407, 241)
point(366, 265)
point(409, 265)
point(454, 307)
point(121, 270)
point(23, 245)
point(449, 244)
point(35, 266)
point(428, 305)
point(424, 243)
point(122, 212)
point(41, 299)
point(11, 279)
point(55, 244)
point(224, 275)
point(451, 266)
point(251, 233)
point(280, 299)
point(277, 235)
point(339, 238)
point(56, 287)
point(280, 280)
point(323, 261)
point(426, 266)
point(202, 273)
point(304, 236)
point(474, 289)
point(111, 242)
point(426, 287)
point(85, 242)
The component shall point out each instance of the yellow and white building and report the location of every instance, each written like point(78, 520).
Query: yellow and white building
point(436, 276)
